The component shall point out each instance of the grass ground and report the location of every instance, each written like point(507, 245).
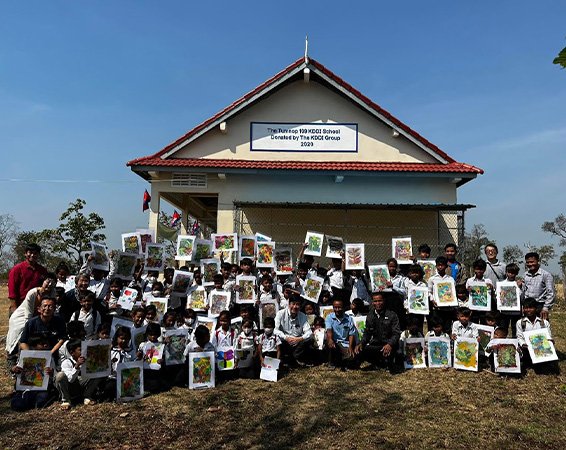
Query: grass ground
point(316, 407)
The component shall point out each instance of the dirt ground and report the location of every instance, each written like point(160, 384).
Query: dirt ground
point(315, 407)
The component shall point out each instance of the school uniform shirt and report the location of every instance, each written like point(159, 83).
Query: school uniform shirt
point(100, 288)
point(335, 278)
point(540, 286)
point(193, 347)
point(221, 338)
point(471, 280)
point(92, 319)
point(342, 328)
point(68, 367)
point(471, 330)
point(288, 326)
point(399, 286)
point(68, 285)
point(120, 356)
point(525, 324)
point(246, 342)
point(268, 297)
point(269, 343)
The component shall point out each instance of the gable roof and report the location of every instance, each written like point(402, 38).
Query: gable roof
point(165, 157)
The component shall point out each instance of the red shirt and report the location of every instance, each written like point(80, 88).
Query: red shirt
point(22, 278)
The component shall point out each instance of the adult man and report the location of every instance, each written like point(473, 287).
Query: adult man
point(538, 284)
point(495, 269)
point(381, 336)
point(24, 276)
point(46, 324)
point(455, 268)
point(294, 330)
point(340, 336)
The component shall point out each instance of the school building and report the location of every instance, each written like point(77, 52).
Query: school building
point(306, 151)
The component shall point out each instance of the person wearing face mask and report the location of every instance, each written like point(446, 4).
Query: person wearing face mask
point(148, 282)
point(246, 345)
point(269, 343)
point(156, 292)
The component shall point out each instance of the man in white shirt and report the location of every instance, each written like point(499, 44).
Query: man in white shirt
point(295, 332)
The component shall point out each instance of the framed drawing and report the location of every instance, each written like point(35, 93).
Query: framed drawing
point(417, 298)
point(209, 268)
point(181, 282)
point(246, 247)
point(161, 304)
point(355, 256)
point(379, 277)
point(314, 243)
point(175, 343)
point(439, 355)
point(131, 243)
point(129, 381)
point(224, 242)
point(147, 236)
point(100, 255)
point(334, 245)
point(466, 352)
point(508, 296)
point(485, 334)
point(153, 355)
point(360, 324)
point(480, 296)
point(201, 370)
point(402, 249)
point(154, 257)
point(325, 311)
point(225, 358)
point(196, 299)
point(506, 357)
point(185, 247)
point(127, 298)
point(313, 288)
point(265, 254)
point(97, 356)
point(414, 354)
point(218, 302)
point(283, 260)
point(262, 238)
point(267, 309)
point(246, 289)
point(444, 292)
point(33, 376)
point(540, 346)
point(429, 268)
point(126, 265)
point(202, 250)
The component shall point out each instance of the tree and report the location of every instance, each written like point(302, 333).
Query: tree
point(48, 240)
point(471, 248)
point(513, 254)
point(557, 227)
point(76, 230)
point(546, 252)
point(561, 58)
point(8, 231)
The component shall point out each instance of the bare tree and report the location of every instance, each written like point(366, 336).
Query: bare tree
point(8, 231)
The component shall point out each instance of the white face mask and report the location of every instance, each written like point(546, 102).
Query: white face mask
point(152, 279)
point(190, 321)
point(268, 330)
point(156, 293)
point(247, 330)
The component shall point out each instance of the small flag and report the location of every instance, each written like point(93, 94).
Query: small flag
point(195, 228)
point(146, 200)
point(175, 219)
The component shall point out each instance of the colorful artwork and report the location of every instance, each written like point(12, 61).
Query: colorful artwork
point(283, 261)
point(360, 324)
point(97, 356)
point(147, 236)
point(208, 322)
point(418, 300)
point(246, 289)
point(181, 281)
point(414, 355)
point(152, 355)
point(201, 370)
point(185, 247)
point(33, 376)
point(101, 260)
point(126, 265)
point(175, 343)
point(196, 299)
point(225, 242)
point(508, 296)
point(160, 304)
point(154, 257)
point(313, 288)
point(506, 356)
point(262, 238)
point(131, 243)
point(355, 256)
point(429, 268)
point(334, 246)
point(466, 354)
point(444, 292)
point(129, 381)
point(225, 358)
point(540, 346)
point(485, 334)
point(439, 355)
point(325, 311)
point(265, 253)
point(138, 336)
point(127, 298)
point(402, 249)
point(314, 243)
point(218, 302)
point(267, 309)
point(247, 247)
point(202, 250)
point(480, 296)
point(209, 268)
point(379, 277)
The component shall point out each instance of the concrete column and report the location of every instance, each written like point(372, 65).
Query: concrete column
point(225, 215)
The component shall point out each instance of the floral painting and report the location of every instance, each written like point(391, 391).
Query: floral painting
point(439, 352)
point(247, 247)
point(429, 268)
point(355, 258)
point(202, 250)
point(508, 296)
point(225, 242)
point(131, 243)
point(197, 299)
point(379, 276)
point(185, 247)
point(129, 381)
point(181, 281)
point(506, 356)
point(219, 301)
point(479, 298)
point(97, 356)
point(209, 268)
point(246, 289)
point(360, 324)
point(100, 255)
point(414, 353)
point(445, 293)
point(313, 288)
point(265, 251)
point(33, 376)
point(402, 249)
point(313, 241)
point(283, 261)
point(126, 265)
point(175, 343)
point(334, 246)
point(466, 354)
point(201, 370)
point(541, 348)
point(418, 300)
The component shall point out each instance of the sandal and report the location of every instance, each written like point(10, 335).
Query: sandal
point(65, 406)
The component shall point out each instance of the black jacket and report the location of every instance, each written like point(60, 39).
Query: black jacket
point(382, 329)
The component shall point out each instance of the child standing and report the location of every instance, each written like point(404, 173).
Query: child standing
point(88, 315)
point(153, 379)
point(120, 353)
point(479, 267)
point(224, 335)
point(510, 317)
point(269, 344)
point(463, 327)
point(446, 313)
point(246, 349)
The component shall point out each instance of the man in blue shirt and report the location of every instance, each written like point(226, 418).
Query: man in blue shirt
point(340, 336)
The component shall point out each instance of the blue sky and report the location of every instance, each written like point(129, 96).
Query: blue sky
point(87, 86)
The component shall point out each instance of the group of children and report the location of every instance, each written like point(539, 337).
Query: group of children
point(90, 307)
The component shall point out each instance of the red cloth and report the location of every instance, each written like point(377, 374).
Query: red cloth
point(22, 278)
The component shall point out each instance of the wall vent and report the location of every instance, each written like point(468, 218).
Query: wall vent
point(194, 180)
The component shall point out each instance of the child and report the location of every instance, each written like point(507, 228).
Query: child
point(88, 315)
point(479, 267)
point(532, 321)
point(69, 383)
point(424, 251)
point(462, 295)
point(335, 275)
point(360, 287)
point(112, 297)
point(247, 312)
point(510, 317)
point(224, 335)
point(463, 327)
point(75, 330)
point(168, 322)
point(414, 279)
point(445, 313)
point(150, 314)
point(491, 349)
point(25, 400)
point(266, 292)
point(153, 380)
point(435, 330)
point(246, 349)
point(358, 307)
point(395, 292)
point(269, 343)
point(491, 318)
point(120, 353)
point(103, 331)
point(138, 316)
point(310, 312)
point(413, 331)
point(318, 342)
point(201, 341)
point(218, 288)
